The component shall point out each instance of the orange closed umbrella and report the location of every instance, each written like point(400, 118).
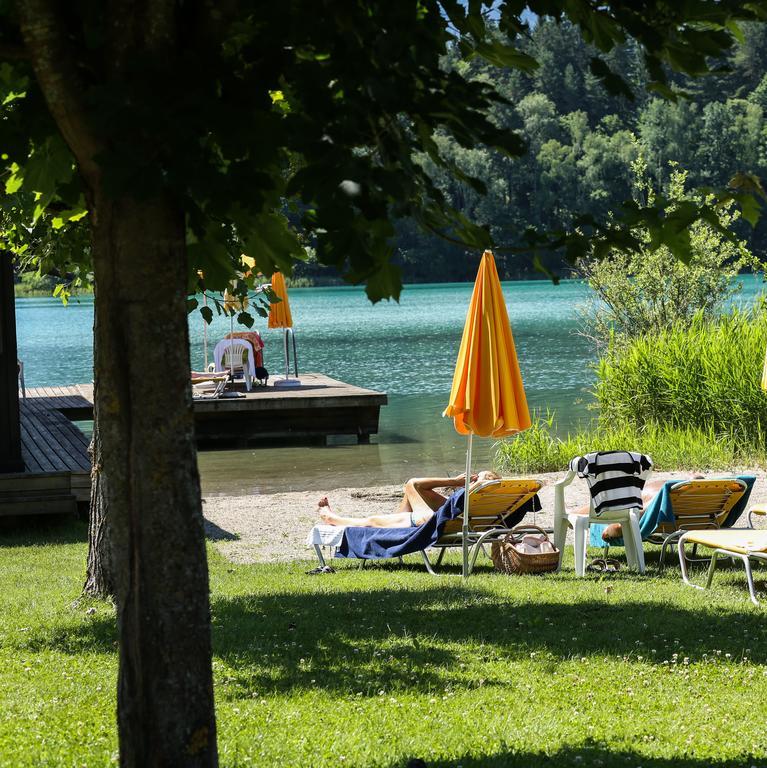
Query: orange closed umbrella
point(487, 397)
point(279, 313)
point(280, 317)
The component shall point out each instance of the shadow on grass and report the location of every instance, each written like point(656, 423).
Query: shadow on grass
point(216, 533)
point(44, 529)
point(92, 634)
point(349, 641)
point(590, 754)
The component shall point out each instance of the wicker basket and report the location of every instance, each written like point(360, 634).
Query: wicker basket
point(508, 559)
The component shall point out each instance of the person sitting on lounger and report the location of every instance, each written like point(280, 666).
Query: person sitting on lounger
point(419, 503)
point(613, 531)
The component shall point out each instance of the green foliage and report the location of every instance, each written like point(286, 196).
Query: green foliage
point(702, 376)
point(278, 128)
point(642, 292)
point(296, 658)
point(541, 449)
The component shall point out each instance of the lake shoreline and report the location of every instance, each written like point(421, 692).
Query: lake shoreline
point(272, 527)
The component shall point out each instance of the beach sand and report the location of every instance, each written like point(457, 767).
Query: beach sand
point(273, 527)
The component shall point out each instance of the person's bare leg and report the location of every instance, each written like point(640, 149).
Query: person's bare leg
point(396, 520)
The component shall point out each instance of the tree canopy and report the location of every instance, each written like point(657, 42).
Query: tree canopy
point(277, 128)
point(183, 134)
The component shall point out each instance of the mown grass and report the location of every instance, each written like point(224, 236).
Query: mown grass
point(374, 667)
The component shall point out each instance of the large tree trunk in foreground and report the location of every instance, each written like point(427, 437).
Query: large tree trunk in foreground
point(99, 573)
point(143, 401)
point(165, 708)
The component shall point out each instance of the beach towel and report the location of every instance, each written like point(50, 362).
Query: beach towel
point(659, 510)
point(378, 543)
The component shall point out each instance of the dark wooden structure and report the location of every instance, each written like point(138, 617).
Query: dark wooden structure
point(55, 472)
point(10, 428)
point(320, 407)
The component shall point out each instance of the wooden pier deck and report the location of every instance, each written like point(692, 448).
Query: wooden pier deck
point(56, 465)
point(320, 407)
point(55, 451)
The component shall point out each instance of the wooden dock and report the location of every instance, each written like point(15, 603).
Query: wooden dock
point(56, 465)
point(55, 451)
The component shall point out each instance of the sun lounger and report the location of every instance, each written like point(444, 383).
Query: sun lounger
point(743, 544)
point(494, 509)
point(496, 506)
point(679, 506)
point(219, 378)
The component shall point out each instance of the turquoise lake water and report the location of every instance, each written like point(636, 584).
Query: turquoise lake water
point(407, 350)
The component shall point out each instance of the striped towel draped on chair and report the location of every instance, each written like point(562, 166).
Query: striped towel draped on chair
point(615, 478)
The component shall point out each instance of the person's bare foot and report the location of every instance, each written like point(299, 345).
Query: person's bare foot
point(328, 517)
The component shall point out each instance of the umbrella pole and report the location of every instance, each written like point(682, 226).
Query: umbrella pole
point(205, 333)
point(231, 356)
point(286, 351)
point(465, 528)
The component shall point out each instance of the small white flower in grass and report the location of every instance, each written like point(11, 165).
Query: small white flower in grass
point(728, 655)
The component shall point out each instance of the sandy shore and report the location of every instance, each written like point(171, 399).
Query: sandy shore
point(273, 527)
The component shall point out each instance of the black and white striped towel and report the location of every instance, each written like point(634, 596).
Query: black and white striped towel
point(615, 478)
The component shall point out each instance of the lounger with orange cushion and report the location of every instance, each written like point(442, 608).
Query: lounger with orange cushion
point(742, 544)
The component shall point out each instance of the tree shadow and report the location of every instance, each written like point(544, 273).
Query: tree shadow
point(48, 529)
point(590, 753)
point(347, 641)
point(92, 634)
point(216, 533)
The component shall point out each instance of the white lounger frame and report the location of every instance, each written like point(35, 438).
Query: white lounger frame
point(745, 558)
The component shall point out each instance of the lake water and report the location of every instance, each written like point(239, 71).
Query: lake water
point(407, 350)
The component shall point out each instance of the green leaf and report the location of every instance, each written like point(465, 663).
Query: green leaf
point(13, 183)
point(273, 245)
point(207, 314)
point(191, 305)
point(246, 319)
point(505, 56)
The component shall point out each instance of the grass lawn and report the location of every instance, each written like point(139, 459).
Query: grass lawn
point(374, 667)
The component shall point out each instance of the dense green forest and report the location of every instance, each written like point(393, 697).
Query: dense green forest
point(581, 142)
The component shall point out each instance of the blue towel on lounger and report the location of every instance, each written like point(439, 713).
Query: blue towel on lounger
point(378, 543)
point(659, 511)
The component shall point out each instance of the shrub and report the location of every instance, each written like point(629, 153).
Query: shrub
point(646, 291)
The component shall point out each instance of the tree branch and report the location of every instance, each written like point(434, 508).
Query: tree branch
point(52, 58)
point(13, 52)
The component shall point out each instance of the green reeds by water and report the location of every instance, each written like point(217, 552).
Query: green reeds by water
point(688, 397)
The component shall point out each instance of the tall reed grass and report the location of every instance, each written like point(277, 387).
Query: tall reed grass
point(706, 376)
point(690, 397)
point(539, 449)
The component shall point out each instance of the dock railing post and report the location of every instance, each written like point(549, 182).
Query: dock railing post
point(10, 426)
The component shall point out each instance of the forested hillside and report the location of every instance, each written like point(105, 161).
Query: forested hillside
point(582, 140)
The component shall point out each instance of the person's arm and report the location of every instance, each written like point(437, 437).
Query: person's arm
point(430, 483)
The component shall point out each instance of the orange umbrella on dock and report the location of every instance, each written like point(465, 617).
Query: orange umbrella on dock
point(487, 397)
point(280, 317)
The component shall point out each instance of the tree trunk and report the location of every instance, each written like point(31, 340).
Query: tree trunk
point(146, 431)
point(99, 573)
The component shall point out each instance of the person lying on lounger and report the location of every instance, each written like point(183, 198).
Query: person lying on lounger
point(651, 488)
point(419, 503)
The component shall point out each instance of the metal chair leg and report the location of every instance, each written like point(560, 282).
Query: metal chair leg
point(427, 562)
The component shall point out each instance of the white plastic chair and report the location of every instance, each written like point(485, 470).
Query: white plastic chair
point(236, 355)
point(627, 518)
